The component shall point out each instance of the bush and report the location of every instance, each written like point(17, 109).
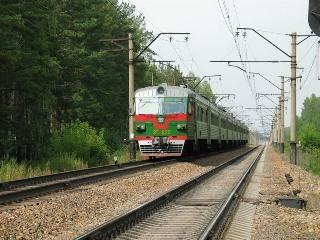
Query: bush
point(80, 140)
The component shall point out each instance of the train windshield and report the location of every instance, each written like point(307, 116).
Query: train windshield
point(161, 106)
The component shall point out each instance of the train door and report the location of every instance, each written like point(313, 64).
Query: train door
point(208, 121)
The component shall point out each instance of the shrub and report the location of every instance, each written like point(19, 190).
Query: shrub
point(81, 140)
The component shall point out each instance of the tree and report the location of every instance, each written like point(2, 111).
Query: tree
point(54, 69)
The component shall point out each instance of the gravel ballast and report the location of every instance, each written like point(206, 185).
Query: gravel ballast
point(273, 221)
point(67, 214)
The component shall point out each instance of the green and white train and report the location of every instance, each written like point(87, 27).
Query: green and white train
point(173, 120)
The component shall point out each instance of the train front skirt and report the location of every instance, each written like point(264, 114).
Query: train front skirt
point(161, 147)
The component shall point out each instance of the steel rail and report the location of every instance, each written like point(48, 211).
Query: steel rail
point(82, 177)
point(116, 226)
point(218, 223)
point(10, 185)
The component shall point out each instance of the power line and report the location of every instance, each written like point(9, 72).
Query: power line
point(314, 59)
point(192, 57)
point(237, 16)
point(163, 39)
point(156, 27)
point(246, 66)
point(229, 27)
point(307, 52)
point(181, 59)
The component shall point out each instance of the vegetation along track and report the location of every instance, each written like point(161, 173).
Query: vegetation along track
point(18, 190)
point(197, 209)
point(31, 187)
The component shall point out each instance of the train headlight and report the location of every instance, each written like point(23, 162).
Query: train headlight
point(160, 90)
point(181, 126)
point(141, 127)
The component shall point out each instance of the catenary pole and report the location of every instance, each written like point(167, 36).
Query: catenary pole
point(282, 116)
point(279, 124)
point(132, 145)
point(293, 137)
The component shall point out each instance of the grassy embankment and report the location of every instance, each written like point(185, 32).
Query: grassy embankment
point(11, 170)
point(76, 146)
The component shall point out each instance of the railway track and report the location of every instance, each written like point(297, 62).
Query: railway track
point(198, 209)
point(18, 190)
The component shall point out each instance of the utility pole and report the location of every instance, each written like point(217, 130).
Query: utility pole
point(132, 145)
point(279, 124)
point(293, 136)
point(282, 116)
point(274, 131)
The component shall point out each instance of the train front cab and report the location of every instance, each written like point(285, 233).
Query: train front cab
point(161, 120)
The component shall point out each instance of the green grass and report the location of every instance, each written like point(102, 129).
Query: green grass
point(10, 170)
point(122, 156)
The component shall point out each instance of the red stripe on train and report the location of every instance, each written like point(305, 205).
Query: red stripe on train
point(154, 119)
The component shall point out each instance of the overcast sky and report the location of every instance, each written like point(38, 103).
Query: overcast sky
point(210, 39)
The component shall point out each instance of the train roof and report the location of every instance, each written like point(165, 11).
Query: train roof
point(169, 91)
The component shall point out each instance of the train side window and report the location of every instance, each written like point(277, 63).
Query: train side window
point(190, 107)
point(206, 115)
point(216, 120)
point(198, 113)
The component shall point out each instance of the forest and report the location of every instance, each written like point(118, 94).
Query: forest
point(61, 83)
